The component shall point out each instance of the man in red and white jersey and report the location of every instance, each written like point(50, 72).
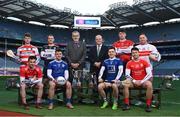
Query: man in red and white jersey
point(31, 75)
point(147, 52)
point(123, 47)
point(138, 73)
point(27, 50)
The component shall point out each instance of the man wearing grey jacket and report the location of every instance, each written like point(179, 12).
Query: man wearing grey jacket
point(76, 53)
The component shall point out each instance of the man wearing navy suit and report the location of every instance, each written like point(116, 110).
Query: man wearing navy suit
point(97, 55)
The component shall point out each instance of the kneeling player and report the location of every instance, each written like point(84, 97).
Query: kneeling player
point(113, 69)
point(58, 68)
point(31, 75)
point(138, 72)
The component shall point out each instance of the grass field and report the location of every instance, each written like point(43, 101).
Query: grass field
point(170, 105)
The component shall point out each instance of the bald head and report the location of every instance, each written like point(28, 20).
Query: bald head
point(99, 39)
point(75, 36)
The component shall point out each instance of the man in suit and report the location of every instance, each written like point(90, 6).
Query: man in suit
point(97, 54)
point(75, 53)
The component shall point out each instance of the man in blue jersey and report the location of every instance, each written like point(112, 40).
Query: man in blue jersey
point(113, 69)
point(58, 68)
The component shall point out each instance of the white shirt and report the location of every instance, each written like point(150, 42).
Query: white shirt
point(146, 50)
point(98, 48)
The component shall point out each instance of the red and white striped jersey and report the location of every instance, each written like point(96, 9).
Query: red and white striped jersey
point(25, 51)
point(146, 50)
point(123, 49)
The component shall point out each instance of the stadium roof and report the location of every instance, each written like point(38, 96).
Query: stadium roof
point(119, 14)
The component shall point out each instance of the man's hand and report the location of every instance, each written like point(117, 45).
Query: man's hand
point(97, 64)
point(137, 83)
point(33, 78)
point(153, 57)
point(100, 80)
point(74, 65)
point(55, 81)
point(115, 81)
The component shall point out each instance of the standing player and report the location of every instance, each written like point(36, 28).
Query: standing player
point(30, 75)
point(147, 52)
point(48, 54)
point(123, 47)
point(138, 72)
point(113, 69)
point(27, 50)
point(58, 68)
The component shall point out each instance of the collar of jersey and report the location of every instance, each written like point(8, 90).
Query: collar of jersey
point(58, 61)
point(112, 58)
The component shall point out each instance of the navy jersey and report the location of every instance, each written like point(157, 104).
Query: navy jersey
point(111, 68)
point(48, 53)
point(58, 68)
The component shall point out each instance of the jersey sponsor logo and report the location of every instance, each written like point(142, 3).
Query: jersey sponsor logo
point(141, 65)
point(111, 69)
point(63, 65)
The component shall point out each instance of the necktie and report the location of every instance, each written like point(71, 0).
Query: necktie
point(76, 44)
point(98, 50)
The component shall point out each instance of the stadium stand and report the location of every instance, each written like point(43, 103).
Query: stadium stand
point(167, 67)
point(9, 63)
point(15, 30)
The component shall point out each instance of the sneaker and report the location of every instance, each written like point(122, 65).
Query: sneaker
point(50, 107)
point(148, 109)
point(126, 107)
point(105, 104)
point(153, 104)
point(69, 105)
point(26, 106)
point(114, 107)
point(138, 103)
point(38, 106)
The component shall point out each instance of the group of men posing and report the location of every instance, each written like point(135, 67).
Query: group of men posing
point(109, 64)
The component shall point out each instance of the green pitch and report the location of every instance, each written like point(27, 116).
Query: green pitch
point(170, 105)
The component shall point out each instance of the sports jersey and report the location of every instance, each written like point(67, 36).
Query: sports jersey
point(123, 49)
point(27, 73)
point(137, 69)
point(25, 51)
point(48, 53)
point(146, 50)
point(58, 68)
point(111, 68)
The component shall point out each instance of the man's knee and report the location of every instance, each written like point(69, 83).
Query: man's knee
point(40, 85)
point(126, 86)
point(148, 84)
point(68, 85)
point(101, 86)
point(22, 86)
point(114, 86)
point(52, 84)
